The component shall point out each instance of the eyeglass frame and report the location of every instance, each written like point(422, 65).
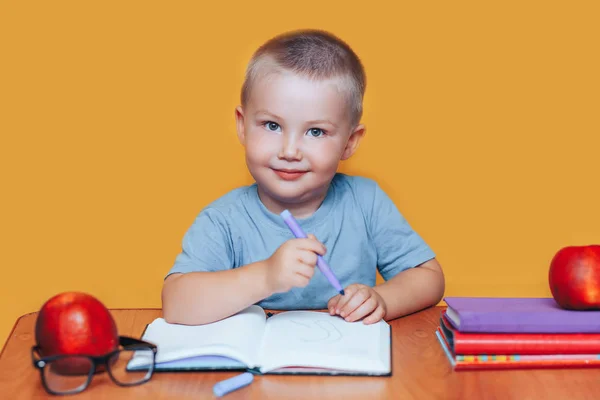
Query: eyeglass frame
point(127, 343)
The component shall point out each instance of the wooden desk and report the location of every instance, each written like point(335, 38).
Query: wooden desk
point(420, 371)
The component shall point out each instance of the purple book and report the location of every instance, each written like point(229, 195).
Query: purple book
point(518, 315)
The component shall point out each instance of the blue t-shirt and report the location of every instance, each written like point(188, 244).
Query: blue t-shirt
point(357, 222)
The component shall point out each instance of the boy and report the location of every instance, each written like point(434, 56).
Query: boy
point(300, 110)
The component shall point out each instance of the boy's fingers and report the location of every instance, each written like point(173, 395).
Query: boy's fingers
point(308, 258)
point(355, 302)
point(300, 280)
point(311, 243)
point(342, 301)
point(375, 316)
point(364, 309)
point(306, 271)
point(349, 293)
point(332, 303)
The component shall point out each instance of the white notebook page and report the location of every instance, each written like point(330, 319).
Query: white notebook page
point(238, 337)
point(317, 339)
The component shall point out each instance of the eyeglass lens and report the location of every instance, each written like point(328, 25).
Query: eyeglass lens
point(123, 369)
point(70, 374)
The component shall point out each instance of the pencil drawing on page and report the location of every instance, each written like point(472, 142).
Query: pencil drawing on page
point(316, 331)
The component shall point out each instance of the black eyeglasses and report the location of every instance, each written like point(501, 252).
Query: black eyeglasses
point(131, 364)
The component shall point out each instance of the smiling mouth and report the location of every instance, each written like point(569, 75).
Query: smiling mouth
point(289, 175)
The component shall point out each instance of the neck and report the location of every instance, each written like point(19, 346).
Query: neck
point(299, 209)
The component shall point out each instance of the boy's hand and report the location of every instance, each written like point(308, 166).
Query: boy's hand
point(293, 264)
point(359, 301)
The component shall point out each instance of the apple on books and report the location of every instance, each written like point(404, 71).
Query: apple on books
point(574, 277)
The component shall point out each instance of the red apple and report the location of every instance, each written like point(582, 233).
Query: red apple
point(75, 323)
point(575, 277)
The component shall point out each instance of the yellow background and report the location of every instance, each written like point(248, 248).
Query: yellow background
point(117, 127)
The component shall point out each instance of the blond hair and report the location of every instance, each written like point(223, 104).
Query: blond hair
point(314, 54)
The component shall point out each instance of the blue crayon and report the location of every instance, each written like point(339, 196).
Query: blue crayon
point(231, 384)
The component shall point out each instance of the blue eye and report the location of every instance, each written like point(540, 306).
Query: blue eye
point(272, 126)
point(316, 132)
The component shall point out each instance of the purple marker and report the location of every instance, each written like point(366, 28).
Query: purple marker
point(321, 263)
point(231, 384)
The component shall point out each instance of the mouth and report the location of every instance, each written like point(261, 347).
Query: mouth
point(288, 174)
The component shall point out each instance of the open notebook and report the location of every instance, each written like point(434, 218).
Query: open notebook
point(292, 342)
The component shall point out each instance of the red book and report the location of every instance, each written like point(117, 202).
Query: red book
point(516, 361)
point(466, 343)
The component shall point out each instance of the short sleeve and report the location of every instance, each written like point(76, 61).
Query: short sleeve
point(398, 246)
point(207, 245)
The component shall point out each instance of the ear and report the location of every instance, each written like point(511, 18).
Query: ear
point(239, 122)
point(352, 144)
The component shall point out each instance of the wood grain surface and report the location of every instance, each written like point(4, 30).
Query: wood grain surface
point(420, 371)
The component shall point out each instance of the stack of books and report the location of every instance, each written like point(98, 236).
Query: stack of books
point(479, 333)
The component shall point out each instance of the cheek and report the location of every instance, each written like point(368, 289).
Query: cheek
point(260, 147)
point(326, 156)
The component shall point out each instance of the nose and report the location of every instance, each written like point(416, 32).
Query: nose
point(289, 151)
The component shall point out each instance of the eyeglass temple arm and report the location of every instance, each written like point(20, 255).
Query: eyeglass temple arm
point(35, 358)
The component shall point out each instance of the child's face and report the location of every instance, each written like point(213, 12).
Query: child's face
point(295, 132)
